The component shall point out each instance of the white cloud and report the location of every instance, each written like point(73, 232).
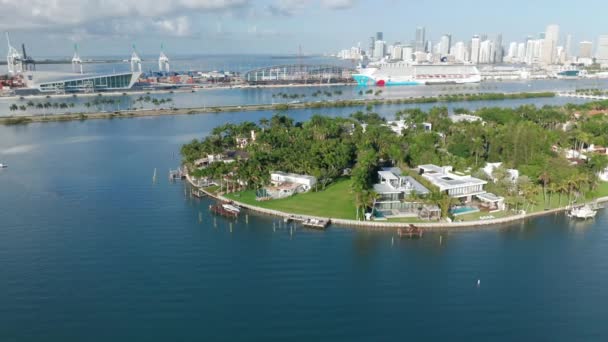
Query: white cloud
point(108, 16)
point(291, 7)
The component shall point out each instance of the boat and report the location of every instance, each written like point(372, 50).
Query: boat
point(404, 73)
point(315, 223)
point(220, 210)
point(231, 207)
point(584, 212)
point(3, 166)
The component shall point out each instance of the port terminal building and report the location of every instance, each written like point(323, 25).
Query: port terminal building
point(59, 83)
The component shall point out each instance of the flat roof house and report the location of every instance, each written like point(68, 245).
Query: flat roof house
point(456, 186)
point(394, 189)
point(306, 181)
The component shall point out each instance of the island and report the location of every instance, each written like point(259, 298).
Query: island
point(435, 168)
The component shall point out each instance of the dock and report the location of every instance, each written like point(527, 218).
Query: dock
point(220, 210)
point(179, 173)
point(410, 232)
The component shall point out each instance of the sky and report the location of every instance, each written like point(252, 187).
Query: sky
point(50, 28)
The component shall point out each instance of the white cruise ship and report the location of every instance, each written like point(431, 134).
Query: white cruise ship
point(402, 73)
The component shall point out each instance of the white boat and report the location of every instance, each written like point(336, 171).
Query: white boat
point(232, 208)
point(584, 212)
point(3, 166)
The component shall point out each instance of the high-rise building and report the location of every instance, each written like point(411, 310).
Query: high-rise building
point(475, 42)
point(585, 49)
point(459, 51)
point(408, 53)
point(568, 47)
point(485, 52)
point(420, 44)
point(497, 50)
point(397, 52)
point(549, 51)
point(445, 43)
point(512, 51)
point(521, 52)
point(602, 49)
point(379, 36)
point(379, 49)
point(372, 43)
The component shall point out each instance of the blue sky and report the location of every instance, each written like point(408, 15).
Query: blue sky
point(109, 27)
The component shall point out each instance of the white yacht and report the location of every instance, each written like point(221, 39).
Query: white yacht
point(3, 166)
point(584, 212)
point(232, 208)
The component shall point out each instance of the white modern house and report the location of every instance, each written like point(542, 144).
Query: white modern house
point(455, 185)
point(399, 125)
point(394, 191)
point(306, 182)
point(284, 185)
point(491, 167)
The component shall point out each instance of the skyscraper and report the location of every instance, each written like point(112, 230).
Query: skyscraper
point(420, 44)
point(497, 52)
point(379, 36)
point(602, 49)
point(379, 49)
point(445, 43)
point(475, 50)
point(568, 47)
point(372, 43)
point(549, 51)
point(485, 52)
point(459, 52)
point(585, 49)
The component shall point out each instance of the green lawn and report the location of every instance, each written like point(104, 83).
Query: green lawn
point(477, 216)
point(336, 201)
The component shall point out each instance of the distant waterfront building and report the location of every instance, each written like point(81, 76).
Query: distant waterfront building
point(549, 50)
point(407, 53)
point(585, 49)
point(459, 51)
point(379, 49)
point(521, 52)
point(602, 49)
point(445, 44)
point(485, 52)
point(420, 44)
point(497, 50)
point(475, 42)
point(568, 47)
point(397, 52)
point(56, 82)
point(372, 43)
point(512, 51)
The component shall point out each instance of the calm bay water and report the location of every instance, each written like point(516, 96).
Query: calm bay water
point(92, 250)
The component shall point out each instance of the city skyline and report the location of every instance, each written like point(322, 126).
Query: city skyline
point(269, 26)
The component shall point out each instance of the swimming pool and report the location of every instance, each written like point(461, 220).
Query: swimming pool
point(463, 210)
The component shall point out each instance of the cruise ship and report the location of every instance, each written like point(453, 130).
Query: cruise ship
point(402, 73)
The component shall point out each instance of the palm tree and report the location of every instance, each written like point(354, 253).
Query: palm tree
point(14, 107)
point(544, 178)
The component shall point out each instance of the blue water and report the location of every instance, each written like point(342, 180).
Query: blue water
point(92, 250)
point(464, 210)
